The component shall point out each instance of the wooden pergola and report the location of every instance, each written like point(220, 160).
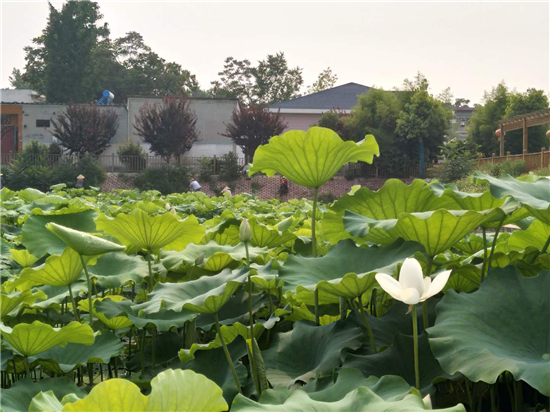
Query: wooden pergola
point(523, 121)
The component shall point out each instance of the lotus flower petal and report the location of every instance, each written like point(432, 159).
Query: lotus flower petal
point(411, 276)
point(410, 296)
point(390, 285)
point(437, 285)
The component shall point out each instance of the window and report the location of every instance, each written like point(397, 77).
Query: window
point(42, 123)
point(462, 122)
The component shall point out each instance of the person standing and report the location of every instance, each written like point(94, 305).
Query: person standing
point(79, 182)
point(283, 186)
point(194, 185)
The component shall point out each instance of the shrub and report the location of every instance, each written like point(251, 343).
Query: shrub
point(205, 172)
point(327, 198)
point(132, 156)
point(256, 187)
point(166, 179)
point(349, 174)
point(512, 168)
point(67, 172)
point(460, 160)
point(229, 167)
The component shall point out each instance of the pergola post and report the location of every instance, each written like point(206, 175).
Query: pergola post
point(525, 137)
point(502, 133)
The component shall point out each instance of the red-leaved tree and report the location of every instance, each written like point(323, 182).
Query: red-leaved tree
point(253, 126)
point(168, 127)
point(85, 128)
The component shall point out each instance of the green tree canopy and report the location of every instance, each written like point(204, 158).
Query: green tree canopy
point(325, 80)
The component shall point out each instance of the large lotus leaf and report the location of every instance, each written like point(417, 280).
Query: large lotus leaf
point(308, 350)
point(19, 396)
point(362, 399)
point(30, 339)
point(139, 230)
point(164, 319)
point(311, 158)
point(204, 295)
point(117, 322)
point(173, 260)
point(534, 196)
point(64, 359)
point(57, 294)
point(84, 243)
point(22, 257)
point(45, 401)
point(57, 271)
point(118, 395)
point(11, 302)
point(40, 241)
point(296, 313)
point(113, 270)
point(501, 327)
point(185, 391)
point(6, 194)
point(30, 194)
point(437, 231)
point(398, 360)
point(536, 235)
point(343, 271)
point(263, 235)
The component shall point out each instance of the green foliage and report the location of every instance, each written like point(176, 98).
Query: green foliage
point(327, 198)
point(255, 186)
point(460, 160)
point(132, 155)
point(337, 121)
point(501, 103)
point(206, 169)
point(325, 80)
point(67, 171)
point(230, 171)
point(513, 168)
point(166, 179)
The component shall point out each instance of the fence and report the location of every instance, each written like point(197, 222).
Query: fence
point(533, 161)
point(132, 164)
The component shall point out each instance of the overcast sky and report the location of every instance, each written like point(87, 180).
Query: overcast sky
point(469, 47)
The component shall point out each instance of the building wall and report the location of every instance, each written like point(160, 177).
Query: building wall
point(460, 121)
point(21, 96)
point(31, 130)
point(300, 121)
point(212, 116)
point(15, 113)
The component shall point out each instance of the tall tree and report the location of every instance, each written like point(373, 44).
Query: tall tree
point(325, 80)
point(85, 128)
point(422, 126)
point(253, 126)
point(338, 121)
point(270, 81)
point(168, 127)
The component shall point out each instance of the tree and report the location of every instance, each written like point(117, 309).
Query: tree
point(338, 121)
point(253, 126)
point(325, 80)
point(85, 128)
point(168, 127)
point(270, 81)
point(461, 102)
point(423, 125)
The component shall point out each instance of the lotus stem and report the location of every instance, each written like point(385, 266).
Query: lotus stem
point(89, 281)
point(425, 304)
point(313, 238)
point(271, 310)
point(142, 354)
point(497, 231)
point(316, 303)
point(484, 255)
point(369, 330)
point(75, 310)
point(251, 316)
point(227, 354)
point(493, 405)
point(415, 342)
point(90, 368)
point(153, 346)
point(27, 368)
point(150, 282)
point(469, 393)
point(546, 245)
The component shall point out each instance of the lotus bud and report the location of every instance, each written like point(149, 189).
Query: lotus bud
point(173, 211)
point(245, 233)
point(167, 206)
point(427, 402)
point(200, 259)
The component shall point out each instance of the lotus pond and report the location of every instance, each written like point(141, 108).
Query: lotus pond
point(408, 298)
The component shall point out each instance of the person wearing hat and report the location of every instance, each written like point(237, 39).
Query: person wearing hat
point(227, 190)
point(79, 182)
point(194, 185)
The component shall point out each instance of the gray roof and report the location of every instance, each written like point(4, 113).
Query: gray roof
point(340, 97)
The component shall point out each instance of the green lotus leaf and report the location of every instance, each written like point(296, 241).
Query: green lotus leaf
point(30, 195)
point(40, 241)
point(57, 271)
point(84, 243)
point(204, 295)
point(6, 194)
point(23, 258)
point(65, 359)
point(398, 360)
point(118, 395)
point(185, 391)
point(30, 339)
point(164, 319)
point(58, 187)
point(12, 302)
point(437, 231)
point(344, 271)
point(483, 334)
point(113, 270)
point(117, 322)
point(535, 196)
point(45, 401)
point(296, 313)
point(263, 235)
point(19, 397)
point(310, 158)
point(166, 348)
point(308, 350)
point(138, 229)
point(213, 255)
point(464, 279)
point(536, 235)
point(57, 294)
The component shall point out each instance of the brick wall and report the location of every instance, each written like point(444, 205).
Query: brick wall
point(269, 186)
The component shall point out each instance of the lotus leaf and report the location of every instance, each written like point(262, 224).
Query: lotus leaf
point(83, 243)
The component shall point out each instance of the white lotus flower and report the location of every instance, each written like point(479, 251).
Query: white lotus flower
point(412, 287)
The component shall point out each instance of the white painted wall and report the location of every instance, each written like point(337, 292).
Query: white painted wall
point(20, 96)
point(300, 121)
